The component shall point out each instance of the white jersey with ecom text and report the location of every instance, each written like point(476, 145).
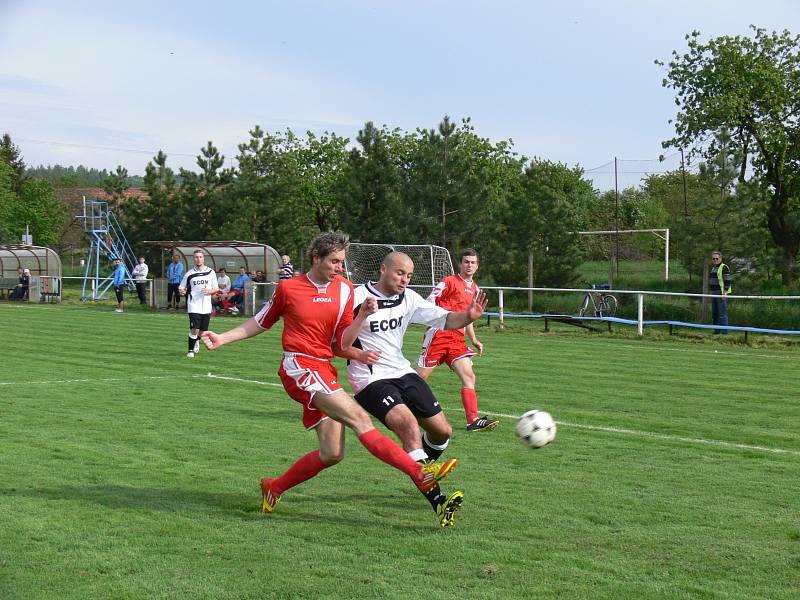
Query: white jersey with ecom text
point(384, 330)
point(194, 282)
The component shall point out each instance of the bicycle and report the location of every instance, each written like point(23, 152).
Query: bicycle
point(600, 302)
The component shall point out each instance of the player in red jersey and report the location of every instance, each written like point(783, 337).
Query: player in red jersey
point(317, 310)
point(454, 293)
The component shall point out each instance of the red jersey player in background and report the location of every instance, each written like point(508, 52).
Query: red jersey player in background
point(455, 293)
point(317, 309)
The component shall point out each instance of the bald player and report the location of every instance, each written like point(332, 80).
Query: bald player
point(390, 389)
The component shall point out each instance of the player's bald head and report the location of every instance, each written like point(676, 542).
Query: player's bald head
point(396, 271)
point(397, 259)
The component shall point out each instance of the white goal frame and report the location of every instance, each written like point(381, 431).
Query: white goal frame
point(431, 263)
point(659, 233)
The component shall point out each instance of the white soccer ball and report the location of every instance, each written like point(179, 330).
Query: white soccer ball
point(234, 311)
point(536, 428)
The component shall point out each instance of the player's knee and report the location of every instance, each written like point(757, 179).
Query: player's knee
point(441, 433)
point(359, 421)
point(331, 456)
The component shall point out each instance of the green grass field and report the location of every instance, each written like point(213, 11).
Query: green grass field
point(128, 472)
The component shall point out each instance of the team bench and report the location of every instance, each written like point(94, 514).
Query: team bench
point(7, 286)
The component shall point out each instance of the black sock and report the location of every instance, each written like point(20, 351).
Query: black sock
point(191, 343)
point(435, 497)
point(433, 452)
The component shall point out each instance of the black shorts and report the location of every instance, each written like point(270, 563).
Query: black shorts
point(379, 397)
point(199, 321)
point(119, 291)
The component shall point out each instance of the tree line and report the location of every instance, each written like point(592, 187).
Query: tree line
point(738, 102)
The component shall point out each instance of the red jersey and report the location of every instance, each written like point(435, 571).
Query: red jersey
point(453, 293)
point(313, 315)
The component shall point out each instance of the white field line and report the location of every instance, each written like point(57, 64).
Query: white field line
point(660, 436)
point(106, 379)
point(612, 345)
point(24, 383)
point(619, 430)
point(240, 380)
point(664, 436)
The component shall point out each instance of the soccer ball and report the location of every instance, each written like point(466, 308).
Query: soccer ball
point(536, 428)
point(234, 311)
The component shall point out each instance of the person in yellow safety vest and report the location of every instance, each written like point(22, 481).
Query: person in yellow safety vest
point(719, 284)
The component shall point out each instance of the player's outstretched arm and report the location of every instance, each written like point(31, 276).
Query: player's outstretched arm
point(368, 357)
point(349, 335)
point(246, 330)
point(457, 320)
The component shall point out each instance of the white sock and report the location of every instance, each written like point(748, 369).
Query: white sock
point(418, 454)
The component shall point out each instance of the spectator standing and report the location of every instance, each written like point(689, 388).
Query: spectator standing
point(119, 284)
point(719, 284)
point(140, 272)
point(174, 277)
point(286, 270)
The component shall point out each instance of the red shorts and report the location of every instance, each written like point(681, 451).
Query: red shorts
point(441, 346)
point(302, 377)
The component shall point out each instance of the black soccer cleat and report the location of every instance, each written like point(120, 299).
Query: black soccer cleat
point(483, 424)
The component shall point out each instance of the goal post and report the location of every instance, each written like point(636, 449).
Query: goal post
point(662, 234)
point(431, 263)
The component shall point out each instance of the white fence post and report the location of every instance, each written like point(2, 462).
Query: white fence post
point(640, 318)
point(501, 306)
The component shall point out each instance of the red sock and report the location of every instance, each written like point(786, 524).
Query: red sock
point(384, 448)
point(470, 401)
point(305, 468)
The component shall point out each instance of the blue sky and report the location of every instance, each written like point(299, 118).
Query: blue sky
point(108, 83)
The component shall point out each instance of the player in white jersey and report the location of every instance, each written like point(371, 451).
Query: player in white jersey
point(198, 285)
point(390, 389)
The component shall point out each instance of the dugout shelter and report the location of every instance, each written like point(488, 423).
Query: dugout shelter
point(227, 254)
point(44, 265)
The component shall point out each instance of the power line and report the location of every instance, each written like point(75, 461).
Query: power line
point(114, 148)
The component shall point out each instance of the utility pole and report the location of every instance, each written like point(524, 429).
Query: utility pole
point(616, 221)
point(683, 175)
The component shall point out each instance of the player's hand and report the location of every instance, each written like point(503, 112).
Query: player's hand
point(477, 306)
point(369, 357)
point(370, 305)
point(182, 291)
point(478, 346)
point(211, 340)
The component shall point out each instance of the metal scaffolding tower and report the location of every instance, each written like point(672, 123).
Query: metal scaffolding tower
point(107, 242)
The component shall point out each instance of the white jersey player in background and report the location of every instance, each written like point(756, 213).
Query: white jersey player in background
point(198, 285)
point(390, 389)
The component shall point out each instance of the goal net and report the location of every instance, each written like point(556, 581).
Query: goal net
point(431, 263)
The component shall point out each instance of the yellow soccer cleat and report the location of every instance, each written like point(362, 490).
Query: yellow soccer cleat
point(269, 499)
point(447, 509)
point(433, 473)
